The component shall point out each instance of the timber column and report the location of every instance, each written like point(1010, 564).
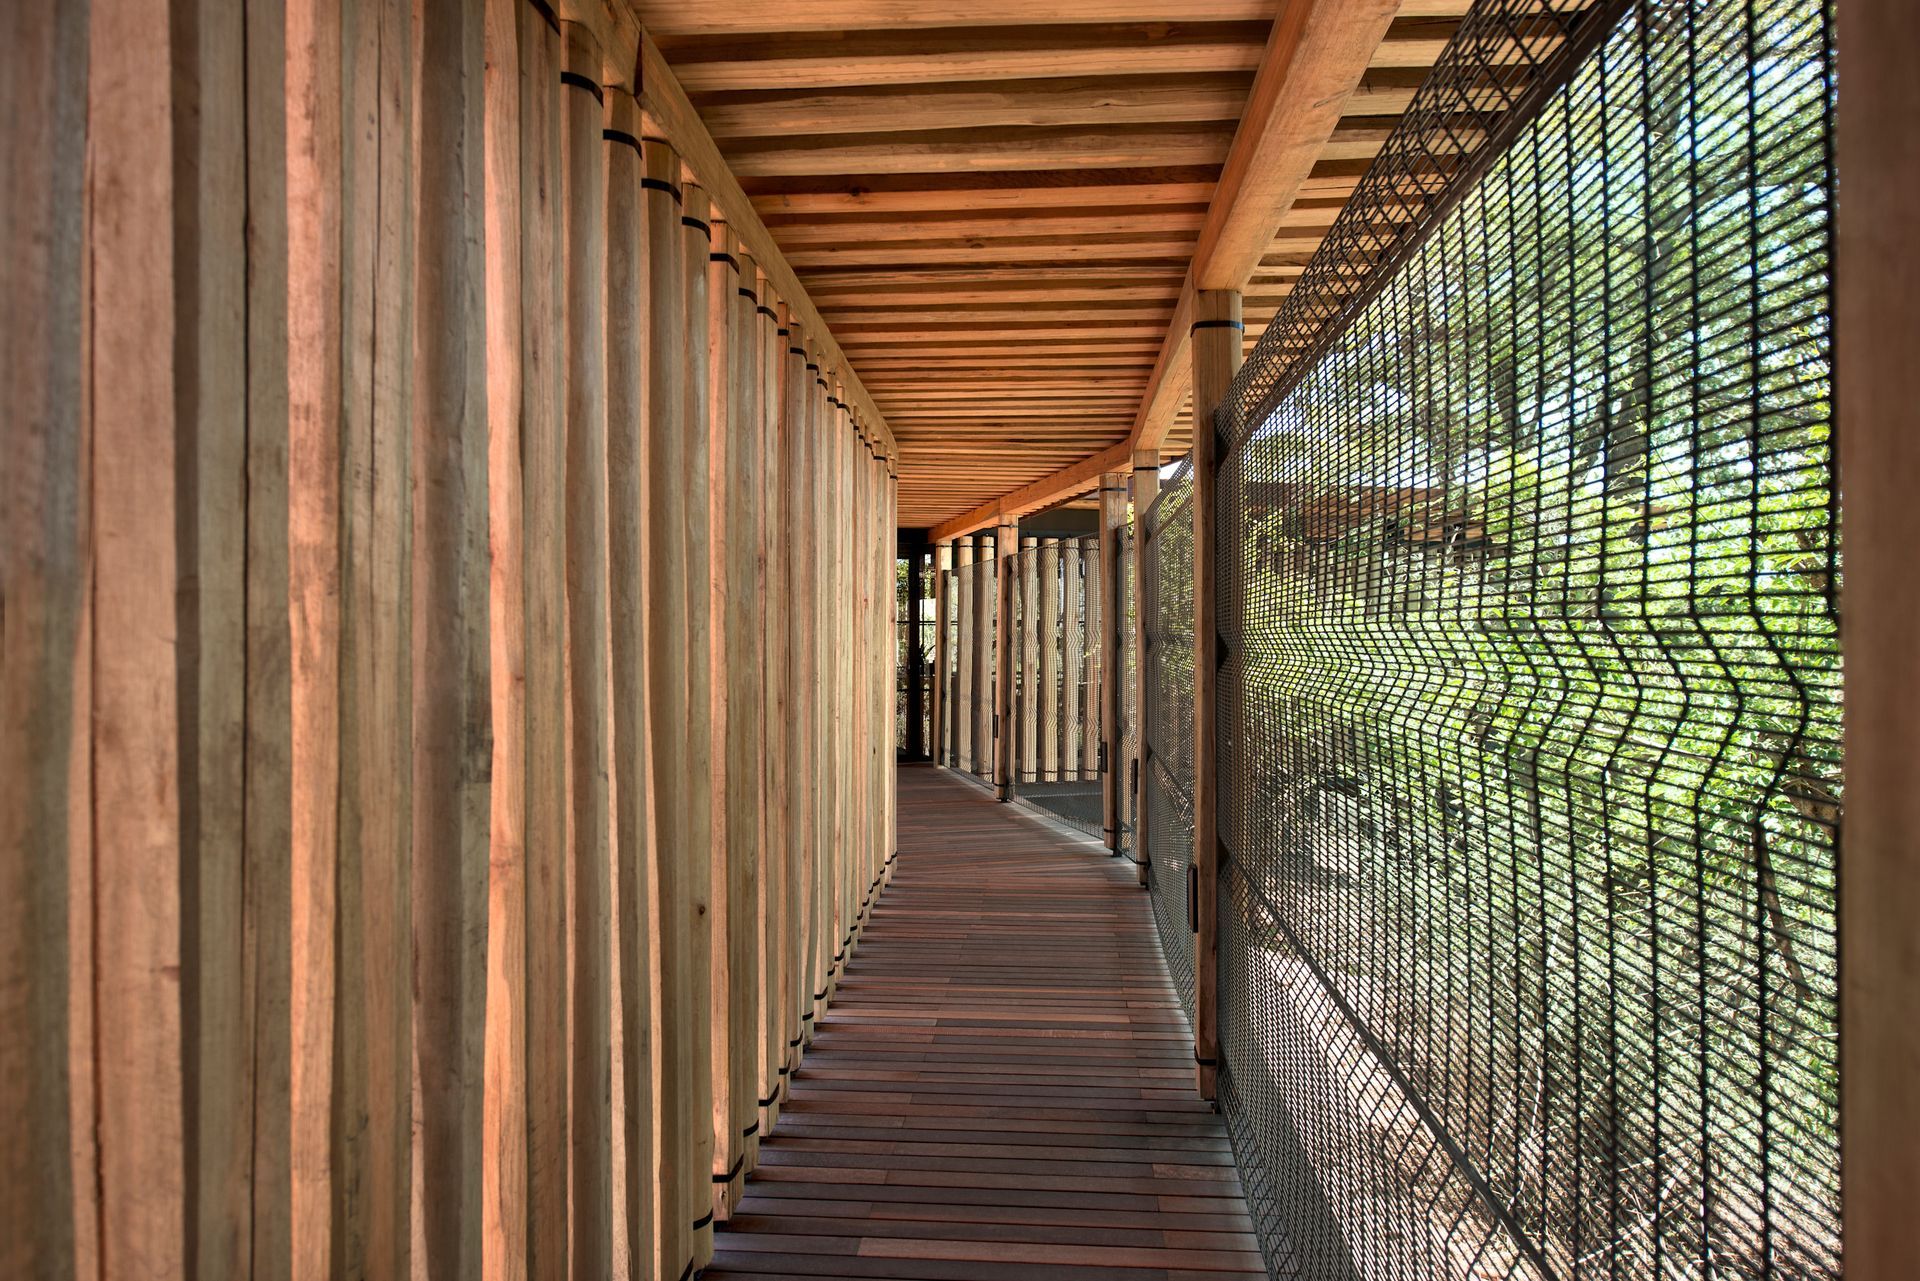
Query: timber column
point(1113, 518)
point(1006, 540)
point(1146, 488)
point(963, 605)
point(981, 759)
point(942, 664)
point(1217, 352)
point(1029, 726)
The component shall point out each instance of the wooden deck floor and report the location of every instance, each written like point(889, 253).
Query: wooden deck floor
point(1004, 1088)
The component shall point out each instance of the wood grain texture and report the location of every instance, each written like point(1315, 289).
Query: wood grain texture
point(1217, 349)
point(706, 832)
point(544, 461)
point(942, 1126)
point(676, 1020)
point(44, 841)
point(1007, 544)
point(503, 1139)
point(452, 758)
point(138, 750)
point(583, 207)
point(630, 574)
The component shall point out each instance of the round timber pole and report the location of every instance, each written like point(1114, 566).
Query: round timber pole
point(1217, 353)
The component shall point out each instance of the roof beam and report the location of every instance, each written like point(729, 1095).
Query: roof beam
point(1082, 475)
point(1315, 57)
point(667, 107)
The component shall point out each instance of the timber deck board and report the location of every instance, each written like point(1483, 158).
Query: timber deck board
point(1003, 1088)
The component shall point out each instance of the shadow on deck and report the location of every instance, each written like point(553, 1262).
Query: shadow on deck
point(1003, 1089)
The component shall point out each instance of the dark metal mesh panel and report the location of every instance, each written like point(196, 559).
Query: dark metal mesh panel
point(1529, 732)
point(1167, 723)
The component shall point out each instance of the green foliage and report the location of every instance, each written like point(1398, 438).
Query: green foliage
point(1540, 658)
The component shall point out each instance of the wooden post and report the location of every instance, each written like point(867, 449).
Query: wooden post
point(1029, 640)
point(1146, 487)
point(736, 382)
point(629, 573)
point(583, 206)
point(373, 1029)
point(1217, 353)
point(676, 1020)
point(1073, 621)
point(1113, 623)
point(451, 692)
point(819, 737)
point(47, 1195)
point(1877, 330)
point(980, 760)
point(707, 788)
point(942, 659)
point(1006, 542)
point(776, 916)
point(963, 698)
point(1091, 602)
point(1050, 656)
point(802, 745)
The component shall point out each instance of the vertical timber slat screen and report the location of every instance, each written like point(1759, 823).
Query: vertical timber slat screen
point(1529, 739)
point(1056, 707)
point(406, 871)
point(1129, 735)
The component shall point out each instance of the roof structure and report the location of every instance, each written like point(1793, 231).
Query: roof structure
point(1002, 209)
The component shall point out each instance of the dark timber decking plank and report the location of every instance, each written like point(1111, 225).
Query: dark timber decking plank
point(1002, 1090)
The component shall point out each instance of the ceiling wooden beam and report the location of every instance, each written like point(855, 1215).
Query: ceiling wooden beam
point(1045, 493)
point(667, 109)
point(741, 17)
point(1316, 55)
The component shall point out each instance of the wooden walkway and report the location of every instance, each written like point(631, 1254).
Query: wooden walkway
point(1003, 1090)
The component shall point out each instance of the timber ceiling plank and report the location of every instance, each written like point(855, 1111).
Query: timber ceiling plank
point(995, 204)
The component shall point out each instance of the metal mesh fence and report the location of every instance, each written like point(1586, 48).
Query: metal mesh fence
point(1167, 723)
point(1530, 738)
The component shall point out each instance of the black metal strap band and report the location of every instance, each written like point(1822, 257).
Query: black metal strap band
point(705, 1220)
point(696, 224)
point(661, 184)
point(1216, 324)
point(738, 1163)
point(726, 258)
point(770, 314)
point(622, 137)
point(579, 81)
point(747, 293)
point(753, 1129)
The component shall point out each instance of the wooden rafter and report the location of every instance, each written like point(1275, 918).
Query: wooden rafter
point(1316, 56)
point(667, 108)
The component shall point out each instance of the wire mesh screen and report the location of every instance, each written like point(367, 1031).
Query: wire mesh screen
point(1530, 737)
point(1167, 723)
point(1057, 681)
point(1128, 736)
